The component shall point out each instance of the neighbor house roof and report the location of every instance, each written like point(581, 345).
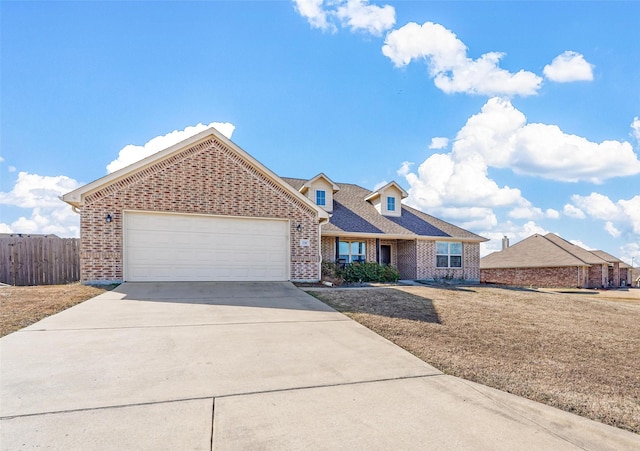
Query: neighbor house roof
point(608, 257)
point(76, 197)
point(539, 251)
point(354, 216)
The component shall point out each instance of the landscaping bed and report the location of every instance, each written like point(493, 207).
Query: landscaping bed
point(23, 306)
point(575, 351)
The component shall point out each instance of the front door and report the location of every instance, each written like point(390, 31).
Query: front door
point(385, 254)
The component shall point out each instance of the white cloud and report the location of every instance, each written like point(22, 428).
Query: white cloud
point(33, 190)
point(405, 168)
point(573, 212)
point(453, 71)
point(551, 213)
point(473, 218)
point(11, 168)
point(567, 67)
point(611, 229)
point(357, 15)
point(635, 128)
point(61, 221)
point(526, 212)
point(596, 205)
point(444, 179)
point(622, 217)
point(1, 159)
point(439, 143)
point(49, 215)
point(502, 136)
point(313, 11)
point(132, 153)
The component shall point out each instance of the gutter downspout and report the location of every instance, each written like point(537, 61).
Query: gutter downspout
point(320, 223)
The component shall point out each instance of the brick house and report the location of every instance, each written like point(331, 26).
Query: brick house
point(550, 261)
point(204, 209)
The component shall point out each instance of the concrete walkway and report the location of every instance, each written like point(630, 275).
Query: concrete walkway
point(250, 366)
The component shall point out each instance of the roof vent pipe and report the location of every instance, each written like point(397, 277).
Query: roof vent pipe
point(505, 242)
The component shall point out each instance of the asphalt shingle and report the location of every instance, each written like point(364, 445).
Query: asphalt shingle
point(353, 214)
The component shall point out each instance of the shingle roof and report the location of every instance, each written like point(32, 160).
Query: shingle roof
point(352, 214)
point(540, 251)
point(608, 257)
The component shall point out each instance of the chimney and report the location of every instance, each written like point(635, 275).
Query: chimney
point(505, 242)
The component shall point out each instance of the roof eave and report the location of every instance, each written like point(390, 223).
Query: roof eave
point(397, 236)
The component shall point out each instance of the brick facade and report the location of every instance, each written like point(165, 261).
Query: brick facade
point(407, 259)
point(562, 277)
point(416, 259)
point(207, 178)
point(427, 270)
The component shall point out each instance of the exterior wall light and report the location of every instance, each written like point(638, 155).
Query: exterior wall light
point(299, 227)
point(108, 218)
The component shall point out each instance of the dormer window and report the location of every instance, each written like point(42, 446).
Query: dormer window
point(321, 190)
point(387, 199)
point(391, 203)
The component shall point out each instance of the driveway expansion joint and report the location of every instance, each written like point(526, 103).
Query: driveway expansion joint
point(115, 406)
point(338, 384)
point(213, 397)
point(178, 326)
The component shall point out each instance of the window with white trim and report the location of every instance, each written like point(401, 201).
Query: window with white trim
point(352, 251)
point(321, 197)
point(391, 203)
point(448, 254)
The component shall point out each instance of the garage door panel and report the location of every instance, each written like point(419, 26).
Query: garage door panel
point(189, 247)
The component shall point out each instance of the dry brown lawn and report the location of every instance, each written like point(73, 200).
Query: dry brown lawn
point(22, 306)
point(578, 351)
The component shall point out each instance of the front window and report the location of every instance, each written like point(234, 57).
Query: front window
point(352, 251)
point(448, 255)
point(391, 204)
point(321, 197)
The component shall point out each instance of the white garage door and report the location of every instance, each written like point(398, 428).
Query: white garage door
point(176, 247)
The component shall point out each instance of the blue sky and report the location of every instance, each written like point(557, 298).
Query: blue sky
point(506, 118)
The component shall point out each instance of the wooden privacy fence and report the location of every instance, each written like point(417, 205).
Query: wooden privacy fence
point(38, 259)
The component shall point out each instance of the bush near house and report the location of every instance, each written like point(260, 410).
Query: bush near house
point(359, 272)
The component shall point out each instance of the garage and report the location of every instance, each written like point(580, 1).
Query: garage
point(193, 247)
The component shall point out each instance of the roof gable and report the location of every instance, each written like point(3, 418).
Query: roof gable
point(76, 197)
point(391, 186)
point(335, 188)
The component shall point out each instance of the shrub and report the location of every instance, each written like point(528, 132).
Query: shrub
point(332, 272)
point(370, 272)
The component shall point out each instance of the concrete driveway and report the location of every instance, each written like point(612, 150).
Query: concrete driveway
point(249, 366)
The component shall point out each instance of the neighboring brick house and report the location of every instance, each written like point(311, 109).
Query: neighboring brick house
point(550, 261)
point(204, 209)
